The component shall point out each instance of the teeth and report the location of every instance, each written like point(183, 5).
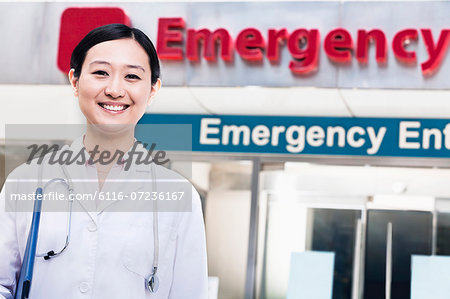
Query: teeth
point(113, 108)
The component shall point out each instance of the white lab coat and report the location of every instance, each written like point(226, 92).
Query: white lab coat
point(110, 253)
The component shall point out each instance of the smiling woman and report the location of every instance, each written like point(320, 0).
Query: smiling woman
point(117, 76)
point(119, 248)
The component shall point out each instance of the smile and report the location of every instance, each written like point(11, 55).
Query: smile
point(113, 107)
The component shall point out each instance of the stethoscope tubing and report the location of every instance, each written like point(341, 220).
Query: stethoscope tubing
point(69, 185)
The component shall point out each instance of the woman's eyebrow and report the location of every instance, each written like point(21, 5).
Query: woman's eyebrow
point(128, 65)
point(99, 62)
point(136, 67)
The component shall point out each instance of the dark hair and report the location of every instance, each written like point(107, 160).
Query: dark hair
point(113, 32)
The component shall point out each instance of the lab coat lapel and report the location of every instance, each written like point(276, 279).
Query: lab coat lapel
point(85, 182)
point(125, 182)
point(85, 186)
point(118, 180)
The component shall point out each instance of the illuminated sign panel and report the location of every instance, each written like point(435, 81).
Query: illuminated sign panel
point(336, 44)
point(331, 136)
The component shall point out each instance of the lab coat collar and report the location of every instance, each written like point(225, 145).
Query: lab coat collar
point(137, 153)
point(137, 158)
point(131, 169)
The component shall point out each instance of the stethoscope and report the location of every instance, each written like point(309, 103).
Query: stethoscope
point(24, 285)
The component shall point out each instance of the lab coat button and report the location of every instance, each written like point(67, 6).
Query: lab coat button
point(84, 287)
point(92, 227)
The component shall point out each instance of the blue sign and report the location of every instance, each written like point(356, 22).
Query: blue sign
point(384, 137)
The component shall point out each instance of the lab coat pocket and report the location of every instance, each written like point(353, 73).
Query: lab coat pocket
point(139, 250)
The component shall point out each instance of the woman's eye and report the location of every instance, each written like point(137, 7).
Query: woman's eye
point(101, 73)
point(132, 76)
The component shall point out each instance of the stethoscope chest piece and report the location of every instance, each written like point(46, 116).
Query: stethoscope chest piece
point(152, 283)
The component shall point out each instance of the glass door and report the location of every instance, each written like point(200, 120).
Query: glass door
point(392, 238)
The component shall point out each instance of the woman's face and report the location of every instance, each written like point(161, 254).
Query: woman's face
point(114, 86)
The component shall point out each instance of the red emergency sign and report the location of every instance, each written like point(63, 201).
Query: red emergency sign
point(176, 42)
point(303, 44)
point(76, 22)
